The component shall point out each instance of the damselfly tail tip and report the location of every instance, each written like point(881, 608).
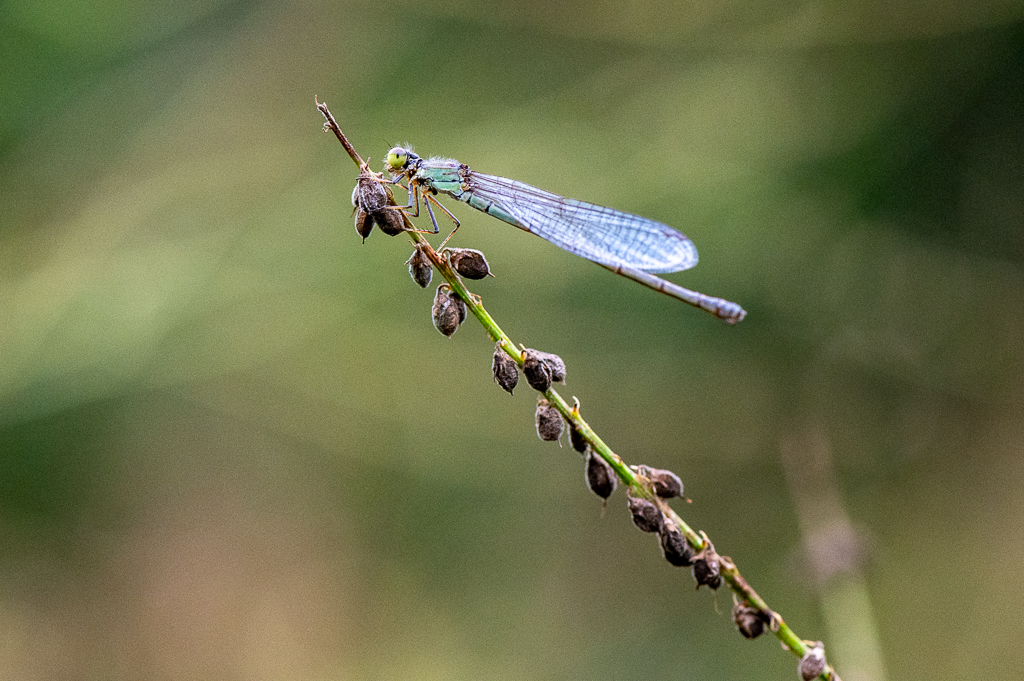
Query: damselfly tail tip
point(733, 314)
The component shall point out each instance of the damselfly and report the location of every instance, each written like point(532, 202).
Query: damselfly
point(623, 243)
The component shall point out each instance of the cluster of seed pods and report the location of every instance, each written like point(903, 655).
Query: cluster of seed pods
point(370, 199)
point(449, 311)
point(373, 206)
point(541, 369)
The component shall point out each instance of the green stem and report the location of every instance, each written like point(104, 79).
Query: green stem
point(639, 486)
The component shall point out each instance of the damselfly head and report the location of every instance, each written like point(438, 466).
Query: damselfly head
point(399, 158)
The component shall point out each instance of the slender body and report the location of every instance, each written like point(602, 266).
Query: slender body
point(626, 244)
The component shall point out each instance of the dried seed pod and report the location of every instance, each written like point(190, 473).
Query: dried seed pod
point(748, 620)
point(506, 373)
point(446, 311)
point(537, 371)
point(420, 268)
point(369, 194)
point(364, 222)
point(389, 220)
point(667, 484)
point(371, 197)
point(576, 439)
point(554, 363)
point(674, 546)
point(707, 567)
point(468, 262)
point(646, 515)
point(460, 305)
point(601, 478)
point(812, 664)
point(706, 571)
point(549, 421)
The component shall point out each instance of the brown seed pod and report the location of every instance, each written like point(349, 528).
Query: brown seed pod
point(748, 620)
point(364, 223)
point(420, 268)
point(707, 567)
point(812, 664)
point(674, 546)
point(536, 370)
point(506, 373)
point(667, 484)
point(369, 194)
point(448, 311)
point(468, 262)
point(461, 307)
point(389, 220)
point(371, 197)
point(549, 422)
point(554, 363)
point(601, 478)
point(646, 515)
point(576, 439)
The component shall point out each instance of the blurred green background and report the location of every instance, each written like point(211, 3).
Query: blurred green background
point(232, 445)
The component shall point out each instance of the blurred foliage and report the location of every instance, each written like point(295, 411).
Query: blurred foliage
point(233, 446)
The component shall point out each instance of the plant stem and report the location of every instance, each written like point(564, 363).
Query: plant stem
point(638, 485)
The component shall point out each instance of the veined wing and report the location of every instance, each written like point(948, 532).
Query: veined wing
point(604, 235)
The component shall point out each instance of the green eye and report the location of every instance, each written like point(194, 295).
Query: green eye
point(397, 158)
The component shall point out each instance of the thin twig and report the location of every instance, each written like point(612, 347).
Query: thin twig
point(332, 125)
point(638, 485)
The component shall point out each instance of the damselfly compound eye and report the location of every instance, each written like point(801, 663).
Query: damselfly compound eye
point(420, 268)
point(397, 158)
point(446, 311)
point(674, 546)
point(646, 515)
point(468, 262)
point(506, 373)
point(549, 421)
point(600, 477)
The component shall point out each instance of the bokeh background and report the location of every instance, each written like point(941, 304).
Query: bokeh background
point(232, 445)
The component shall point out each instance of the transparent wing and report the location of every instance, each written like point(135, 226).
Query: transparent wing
point(604, 235)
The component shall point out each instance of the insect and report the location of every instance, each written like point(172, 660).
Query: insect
point(629, 245)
